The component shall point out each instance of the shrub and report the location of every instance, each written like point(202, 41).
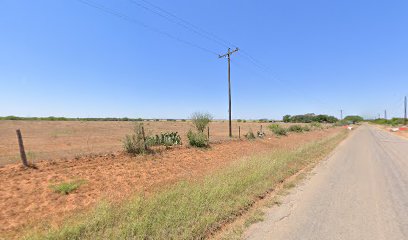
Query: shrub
point(244, 121)
point(306, 128)
point(250, 135)
point(286, 118)
point(295, 128)
point(316, 125)
point(66, 187)
point(277, 130)
point(198, 139)
point(341, 123)
point(239, 120)
point(134, 143)
point(201, 120)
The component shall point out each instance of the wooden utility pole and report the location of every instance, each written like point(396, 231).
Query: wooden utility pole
point(405, 111)
point(228, 55)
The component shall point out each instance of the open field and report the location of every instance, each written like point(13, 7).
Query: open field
point(27, 198)
point(51, 140)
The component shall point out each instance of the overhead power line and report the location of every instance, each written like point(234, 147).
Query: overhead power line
point(125, 17)
point(179, 21)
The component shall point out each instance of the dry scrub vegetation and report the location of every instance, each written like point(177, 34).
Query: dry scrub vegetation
point(194, 209)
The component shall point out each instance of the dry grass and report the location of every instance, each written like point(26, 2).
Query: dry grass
point(195, 209)
point(47, 140)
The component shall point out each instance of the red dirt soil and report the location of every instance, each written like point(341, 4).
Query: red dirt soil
point(27, 200)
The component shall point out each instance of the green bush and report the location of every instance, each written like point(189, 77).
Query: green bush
point(316, 125)
point(198, 139)
point(239, 120)
point(134, 143)
point(201, 120)
point(306, 128)
point(250, 135)
point(166, 139)
point(295, 128)
point(278, 130)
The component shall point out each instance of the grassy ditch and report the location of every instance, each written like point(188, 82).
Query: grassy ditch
point(194, 210)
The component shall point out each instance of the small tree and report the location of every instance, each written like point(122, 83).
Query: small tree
point(201, 120)
point(286, 118)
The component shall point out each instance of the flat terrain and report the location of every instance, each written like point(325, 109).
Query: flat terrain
point(52, 140)
point(27, 200)
point(360, 192)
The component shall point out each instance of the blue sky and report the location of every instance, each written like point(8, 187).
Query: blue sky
point(65, 58)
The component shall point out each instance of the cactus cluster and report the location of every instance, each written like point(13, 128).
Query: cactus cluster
point(166, 139)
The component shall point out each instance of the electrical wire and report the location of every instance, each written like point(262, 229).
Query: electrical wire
point(132, 20)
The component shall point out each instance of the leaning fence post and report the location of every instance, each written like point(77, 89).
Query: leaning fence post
point(144, 138)
point(208, 133)
point(239, 132)
point(21, 146)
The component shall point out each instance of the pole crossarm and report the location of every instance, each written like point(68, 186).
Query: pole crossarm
point(228, 53)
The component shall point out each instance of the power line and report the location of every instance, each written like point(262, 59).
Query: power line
point(179, 21)
point(132, 20)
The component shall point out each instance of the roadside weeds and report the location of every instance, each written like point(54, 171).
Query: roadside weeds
point(197, 209)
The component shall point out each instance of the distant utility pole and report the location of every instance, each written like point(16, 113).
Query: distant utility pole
point(341, 114)
point(405, 111)
point(385, 114)
point(228, 55)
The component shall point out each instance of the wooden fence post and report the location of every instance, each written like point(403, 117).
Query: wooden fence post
point(21, 146)
point(208, 133)
point(239, 132)
point(144, 138)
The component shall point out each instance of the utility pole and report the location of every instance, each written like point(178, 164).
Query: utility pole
point(385, 114)
point(405, 111)
point(228, 55)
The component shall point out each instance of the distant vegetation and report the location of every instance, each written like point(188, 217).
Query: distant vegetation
point(392, 122)
point(354, 119)
point(310, 117)
point(52, 118)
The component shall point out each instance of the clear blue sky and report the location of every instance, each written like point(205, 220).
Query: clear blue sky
point(65, 58)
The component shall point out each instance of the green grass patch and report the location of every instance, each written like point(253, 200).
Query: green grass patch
point(193, 210)
point(67, 187)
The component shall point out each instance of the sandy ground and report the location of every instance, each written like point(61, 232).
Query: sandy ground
point(361, 192)
point(67, 139)
point(26, 198)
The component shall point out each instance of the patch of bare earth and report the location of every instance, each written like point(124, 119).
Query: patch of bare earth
point(27, 200)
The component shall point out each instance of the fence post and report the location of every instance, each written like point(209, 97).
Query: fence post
point(208, 133)
point(21, 146)
point(144, 138)
point(239, 132)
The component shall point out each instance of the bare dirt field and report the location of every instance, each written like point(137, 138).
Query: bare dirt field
point(26, 199)
point(47, 140)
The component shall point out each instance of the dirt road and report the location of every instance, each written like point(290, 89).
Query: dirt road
point(360, 192)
